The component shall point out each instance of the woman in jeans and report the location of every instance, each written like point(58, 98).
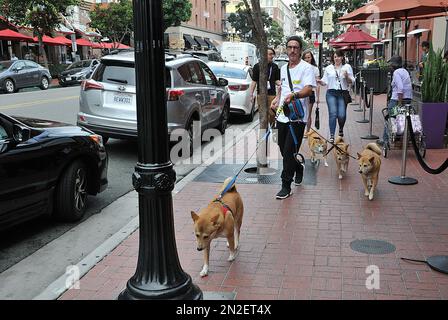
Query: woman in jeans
point(308, 57)
point(337, 77)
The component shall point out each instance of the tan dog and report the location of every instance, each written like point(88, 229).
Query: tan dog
point(341, 156)
point(318, 146)
point(369, 168)
point(220, 219)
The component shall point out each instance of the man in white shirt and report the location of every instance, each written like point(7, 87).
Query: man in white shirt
point(303, 81)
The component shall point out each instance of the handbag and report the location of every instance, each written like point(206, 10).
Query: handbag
point(345, 94)
point(294, 110)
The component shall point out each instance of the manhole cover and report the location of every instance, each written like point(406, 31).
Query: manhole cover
point(370, 246)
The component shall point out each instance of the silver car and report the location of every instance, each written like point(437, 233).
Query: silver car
point(194, 93)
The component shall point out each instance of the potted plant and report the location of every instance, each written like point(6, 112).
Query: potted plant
point(434, 99)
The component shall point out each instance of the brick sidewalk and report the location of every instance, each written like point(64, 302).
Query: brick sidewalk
point(299, 248)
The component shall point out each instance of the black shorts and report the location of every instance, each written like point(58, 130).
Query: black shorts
point(312, 98)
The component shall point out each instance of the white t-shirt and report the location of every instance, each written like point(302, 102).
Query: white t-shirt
point(332, 80)
point(301, 75)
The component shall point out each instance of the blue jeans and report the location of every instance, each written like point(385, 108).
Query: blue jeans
point(336, 110)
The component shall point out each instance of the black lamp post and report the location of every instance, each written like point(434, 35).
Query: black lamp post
point(158, 274)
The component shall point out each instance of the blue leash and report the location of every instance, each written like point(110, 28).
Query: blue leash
point(232, 182)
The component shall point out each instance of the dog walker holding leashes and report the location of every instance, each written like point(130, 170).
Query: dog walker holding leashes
point(297, 81)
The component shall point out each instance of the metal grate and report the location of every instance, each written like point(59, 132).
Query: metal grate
point(217, 173)
point(370, 246)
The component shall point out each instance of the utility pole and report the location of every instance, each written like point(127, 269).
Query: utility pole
point(158, 274)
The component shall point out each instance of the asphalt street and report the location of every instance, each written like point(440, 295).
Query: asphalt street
point(61, 104)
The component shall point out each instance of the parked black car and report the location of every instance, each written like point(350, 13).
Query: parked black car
point(18, 74)
point(77, 71)
point(47, 167)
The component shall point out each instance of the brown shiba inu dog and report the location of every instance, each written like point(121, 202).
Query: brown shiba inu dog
point(318, 146)
point(369, 167)
point(220, 219)
point(341, 156)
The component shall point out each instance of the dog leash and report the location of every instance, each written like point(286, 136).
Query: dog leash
point(232, 182)
point(333, 145)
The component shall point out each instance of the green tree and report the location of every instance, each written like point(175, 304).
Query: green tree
point(175, 12)
point(275, 34)
point(240, 21)
point(42, 15)
point(303, 7)
point(114, 21)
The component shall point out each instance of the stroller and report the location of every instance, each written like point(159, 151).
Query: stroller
point(394, 124)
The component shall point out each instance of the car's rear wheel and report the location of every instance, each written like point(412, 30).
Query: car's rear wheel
point(10, 87)
point(44, 83)
point(71, 193)
point(224, 119)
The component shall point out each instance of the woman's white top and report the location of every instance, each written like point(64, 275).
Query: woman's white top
point(334, 77)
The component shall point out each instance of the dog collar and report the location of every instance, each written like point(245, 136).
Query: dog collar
point(225, 208)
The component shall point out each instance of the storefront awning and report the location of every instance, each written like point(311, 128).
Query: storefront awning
point(64, 40)
point(84, 42)
point(189, 39)
point(201, 42)
point(52, 41)
point(7, 34)
point(210, 44)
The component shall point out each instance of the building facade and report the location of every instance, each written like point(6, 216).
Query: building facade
point(205, 30)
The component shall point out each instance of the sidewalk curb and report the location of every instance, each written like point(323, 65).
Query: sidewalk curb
point(59, 286)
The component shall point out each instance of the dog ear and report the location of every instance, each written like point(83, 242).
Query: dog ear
point(372, 160)
point(359, 156)
point(194, 216)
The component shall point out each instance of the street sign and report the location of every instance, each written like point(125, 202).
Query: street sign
point(314, 21)
point(328, 22)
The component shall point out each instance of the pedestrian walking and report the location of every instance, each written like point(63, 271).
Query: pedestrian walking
point(309, 57)
point(297, 81)
point(337, 77)
point(273, 74)
point(401, 89)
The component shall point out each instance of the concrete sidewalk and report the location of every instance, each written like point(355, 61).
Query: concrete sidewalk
point(299, 248)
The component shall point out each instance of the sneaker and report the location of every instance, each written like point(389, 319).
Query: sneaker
point(283, 193)
point(380, 142)
point(298, 180)
point(341, 133)
point(331, 140)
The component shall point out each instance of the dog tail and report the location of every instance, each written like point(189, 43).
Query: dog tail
point(339, 139)
point(374, 147)
point(226, 182)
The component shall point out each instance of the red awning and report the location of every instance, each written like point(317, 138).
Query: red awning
point(8, 34)
point(51, 41)
point(381, 10)
point(63, 40)
point(84, 42)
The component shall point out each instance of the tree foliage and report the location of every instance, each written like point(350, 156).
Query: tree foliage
point(303, 7)
point(175, 12)
point(241, 22)
point(114, 21)
point(43, 16)
point(275, 34)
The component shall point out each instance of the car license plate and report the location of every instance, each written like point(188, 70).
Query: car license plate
point(124, 99)
point(68, 79)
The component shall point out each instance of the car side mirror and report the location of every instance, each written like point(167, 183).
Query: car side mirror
point(222, 82)
point(21, 134)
